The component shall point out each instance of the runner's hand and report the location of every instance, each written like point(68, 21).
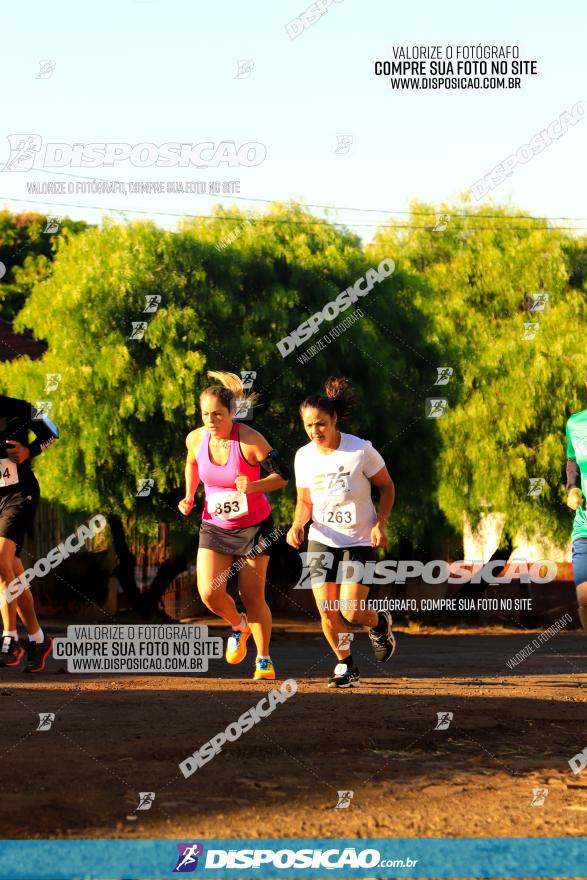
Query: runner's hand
point(17, 452)
point(243, 484)
point(185, 505)
point(295, 536)
point(378, 536)
point(575, 499)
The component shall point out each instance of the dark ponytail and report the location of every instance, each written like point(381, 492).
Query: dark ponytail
point(334, 400)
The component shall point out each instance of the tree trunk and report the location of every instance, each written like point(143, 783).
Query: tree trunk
point(475, 591)
point(166, 573)
point(145, 604)
point(125, 570)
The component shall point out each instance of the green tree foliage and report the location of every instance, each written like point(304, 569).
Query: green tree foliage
point(290, 268)
point(479, 282)
point(27, 252)
point(233, 285)
point(125, 405)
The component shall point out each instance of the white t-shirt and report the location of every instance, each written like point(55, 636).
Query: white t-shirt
point(342, 511)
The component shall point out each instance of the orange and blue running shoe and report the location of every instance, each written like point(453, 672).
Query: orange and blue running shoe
point(264, 670)
point(236, 644)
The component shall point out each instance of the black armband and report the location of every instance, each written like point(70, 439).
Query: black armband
point(47, 433)
point(275, 464)
point(573, 475)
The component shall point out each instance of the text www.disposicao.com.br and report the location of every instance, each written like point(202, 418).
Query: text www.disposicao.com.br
point(135, 664)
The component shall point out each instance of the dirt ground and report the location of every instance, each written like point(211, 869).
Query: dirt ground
point(114, 736)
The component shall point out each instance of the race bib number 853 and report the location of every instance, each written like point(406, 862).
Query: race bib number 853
point(228, 505)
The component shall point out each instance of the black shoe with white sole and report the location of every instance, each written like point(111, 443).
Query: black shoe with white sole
point(382, 638)
point(37, 654)
point(344, 676)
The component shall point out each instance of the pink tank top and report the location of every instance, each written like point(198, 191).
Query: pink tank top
point(225, 507)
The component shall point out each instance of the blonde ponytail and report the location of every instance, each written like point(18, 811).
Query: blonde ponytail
point(229, 390)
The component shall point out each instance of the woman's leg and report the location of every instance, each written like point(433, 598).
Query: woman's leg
point(352, 598)
point(327, 601)
point(212, 571)
point(251, 587)
point(25, 604)
point(582, 603)
point(579, 556)
point(7, 575)
point(353, 601)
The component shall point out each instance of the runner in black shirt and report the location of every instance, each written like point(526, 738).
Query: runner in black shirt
point(19, 496)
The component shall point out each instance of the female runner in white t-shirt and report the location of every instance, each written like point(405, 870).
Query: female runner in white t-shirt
point(334, 475)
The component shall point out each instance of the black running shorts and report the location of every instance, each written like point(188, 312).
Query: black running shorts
point(324, 561)
point(238, 542)
point(17, 513)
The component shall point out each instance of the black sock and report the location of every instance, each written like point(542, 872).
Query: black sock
point(348, 660)
point(381, 623)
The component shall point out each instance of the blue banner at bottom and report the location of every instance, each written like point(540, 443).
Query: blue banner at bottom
point(492, 857)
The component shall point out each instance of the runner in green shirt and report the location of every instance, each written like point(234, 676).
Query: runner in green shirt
point(576, 431)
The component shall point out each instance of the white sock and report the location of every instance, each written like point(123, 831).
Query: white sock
point(242, 625)
point(37, 637)
point(10, 632)
point(263, 657)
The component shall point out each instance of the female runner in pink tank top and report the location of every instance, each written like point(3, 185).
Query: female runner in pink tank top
point(237, 466)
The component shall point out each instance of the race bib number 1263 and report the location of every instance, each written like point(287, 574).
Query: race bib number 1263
point(340, 516)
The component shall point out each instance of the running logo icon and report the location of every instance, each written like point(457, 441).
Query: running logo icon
point(444, 374)
point(244, 410)
point(444, 719)
point(539, 795)
point(144, 488)
point(23, 151)
point(337, 483)
point(187, 860)
point(340, 482)
point(344, 641)
point(248, 377)
point(537, 302)
point(138, 329)
point(46, 68)
point(41, 408)
point(436, 407)
point(53, 380)
point(536, 486)
point(52, 225)
point(152, 303)
point(344, 800)
point(314, 567)
point(343, 144)
point(442, 222)
point(244, 68)
point(46, 719)
point(146, 799)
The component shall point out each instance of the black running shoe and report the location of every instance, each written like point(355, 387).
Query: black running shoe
point(37, 654)
point(11, 651)
point(383, 641)
point(344, 676)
